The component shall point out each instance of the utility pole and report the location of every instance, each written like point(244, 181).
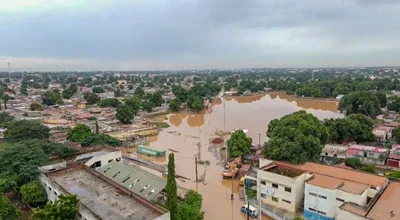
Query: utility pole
point(9, 69)
point(259, 139)
point(195, 161)
point(248, 209)
point(232, 188)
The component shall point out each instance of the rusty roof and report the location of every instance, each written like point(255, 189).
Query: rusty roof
point(388, 202)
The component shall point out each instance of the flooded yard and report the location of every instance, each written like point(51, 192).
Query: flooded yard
point(189, 135)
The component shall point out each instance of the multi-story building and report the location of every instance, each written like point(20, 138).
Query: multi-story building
point(368, 154)
point(319, 189)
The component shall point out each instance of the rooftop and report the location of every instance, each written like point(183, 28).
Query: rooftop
point(354, 208)
point(389, 201)
point(101, 197)
point(281, 169)
point(341, 173)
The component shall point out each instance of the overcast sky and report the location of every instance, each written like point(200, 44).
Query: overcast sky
point(191, 34)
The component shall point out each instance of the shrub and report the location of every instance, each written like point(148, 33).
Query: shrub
point(353, 162)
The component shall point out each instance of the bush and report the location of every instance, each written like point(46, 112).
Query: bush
point(368, 169)
point(354, 163)
point(99, 139)
point(394, 175)
point(33, 194)
point(79, 133)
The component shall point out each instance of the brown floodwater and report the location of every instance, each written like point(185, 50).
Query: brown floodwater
point(247, 112)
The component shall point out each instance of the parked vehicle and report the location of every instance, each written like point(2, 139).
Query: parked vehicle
point(250, 211)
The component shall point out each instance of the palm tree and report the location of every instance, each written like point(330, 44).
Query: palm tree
point(5, 98)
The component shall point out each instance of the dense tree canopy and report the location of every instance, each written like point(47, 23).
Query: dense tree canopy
point(7, 210)
point(19, 165)
point(100, 139)
point(110, 102)
point(156, 99)
point(134, 102)
point(296, 138)
point(394, 103)
point(125, 114)
point(396, 134)
point(239, 144)
point(190, 207)
point(175, 104)
point(25, 130)
point(33, 194)
point(5, 117)
point(79, 133)
point(98, 89)
point(366, 103)
point(91, 98)
point(147, 106)
point(65, 208)
point(52, 97)
point(353, 128)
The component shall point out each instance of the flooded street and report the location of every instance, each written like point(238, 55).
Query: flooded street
point(248, 112)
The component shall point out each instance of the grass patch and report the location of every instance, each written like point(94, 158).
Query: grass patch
point(162, 125)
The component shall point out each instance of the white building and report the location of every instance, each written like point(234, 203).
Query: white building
point(319, 189)
point(100, 192)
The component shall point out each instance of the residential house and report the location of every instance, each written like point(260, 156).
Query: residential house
point(368, 154)
point(393, 159)
point(333, 152)
point(383, 133)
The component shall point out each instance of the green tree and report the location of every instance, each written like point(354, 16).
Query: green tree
point(139, 92)
point(175, 104)
point(35, 107)
point(195, 103)
point(110, 102)
point(25, 130)
point(8, 211)
point(239, 144)
point(171, 189)
point(79, 133)
point(98, 89)
point(394, 103)
point(51, 97)
point(33, 194)
point(125, 114)
point(354, 163)
point(296, 138)
point(5, 99)
point(156, 99)
point(366, 103)
point(67, 93)
point(382, 98)
point(353, 128)
point(100, 139)
point(368, 169)
point(134, 102)
point(5, 118)
point(91, 98)
point(65, 208)
point(19, 164)
point(190, 207)
point(396, 134)
point(130, 86)
point(147, 106)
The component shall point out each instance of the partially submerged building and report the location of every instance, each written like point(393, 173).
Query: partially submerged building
point(106, 188)
point(393, 159)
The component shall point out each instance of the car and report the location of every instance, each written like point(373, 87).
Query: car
point(250, 211)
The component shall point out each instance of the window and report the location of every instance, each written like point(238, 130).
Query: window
point(288, 189)
point(311, 209)
point(322, 197)
point(323, 213)
point(263, 195)
point(313, 194)
point(335, 155)
point(263, 183)
point(274, 199)
point(55, 193)
point(118, 159)
point(326, 154)
point(79, 215)
point(340, 200)
point(365, 154)
point(286, 201)
point(274, 185)
point(49, 188)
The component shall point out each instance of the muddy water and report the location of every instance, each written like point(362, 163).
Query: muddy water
point(253, 113)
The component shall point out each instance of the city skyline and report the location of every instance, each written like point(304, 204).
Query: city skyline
point(59, 35)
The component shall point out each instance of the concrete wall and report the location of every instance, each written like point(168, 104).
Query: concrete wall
point(320, 199)
point(351, 197)
point(345, 215)
point(105, 158)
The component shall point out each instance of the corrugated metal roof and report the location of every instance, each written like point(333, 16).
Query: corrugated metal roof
point(134, 179)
